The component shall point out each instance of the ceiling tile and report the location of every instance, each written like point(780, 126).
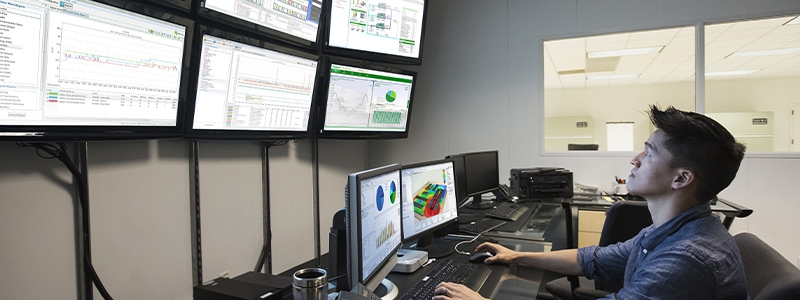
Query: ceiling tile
point(676, 63)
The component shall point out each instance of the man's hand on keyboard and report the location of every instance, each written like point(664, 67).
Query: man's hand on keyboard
point(449, 290)
point(502, 254)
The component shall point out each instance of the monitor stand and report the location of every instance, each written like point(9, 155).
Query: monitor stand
point(387, 290)
point(437, 248)
point(477, 203)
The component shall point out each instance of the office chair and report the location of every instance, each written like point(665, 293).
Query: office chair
point(624, 220)
point(769, 275)
point(582, 147)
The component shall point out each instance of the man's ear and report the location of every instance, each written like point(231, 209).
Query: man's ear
point(683, 178)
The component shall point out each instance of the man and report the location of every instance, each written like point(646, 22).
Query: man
point(687, 253)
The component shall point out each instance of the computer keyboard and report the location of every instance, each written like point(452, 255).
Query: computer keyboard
point(507, 211)
point(471, 275)
point(481, 226)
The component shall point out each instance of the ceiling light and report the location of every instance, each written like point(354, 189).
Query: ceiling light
point(731, 73)
point(764, 52)
point(616, 76)
point(624, 52)
point(794, 21)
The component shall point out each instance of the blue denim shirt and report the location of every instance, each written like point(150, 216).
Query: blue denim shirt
point(692, 256)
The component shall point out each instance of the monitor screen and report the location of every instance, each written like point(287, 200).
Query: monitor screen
point(249, 89)
point(294, 21)
point(476, 173)
point(367, 102)
point(77, 69)
point(429, 197)
point(482, 172)
point(374, 224)
point(429, 204)
point(383, 30)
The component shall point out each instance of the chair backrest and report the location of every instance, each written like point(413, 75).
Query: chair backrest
point(769, 274)
point(582, 147)
point(624, 220)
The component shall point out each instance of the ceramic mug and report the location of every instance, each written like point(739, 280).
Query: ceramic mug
point(620, 189)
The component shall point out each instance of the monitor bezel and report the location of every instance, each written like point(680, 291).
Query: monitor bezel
point(359, 134)
point(183, 6)
point(66, 133)
point(355, 266)
point(442, 224)
point(460, 158)
point(370, 55)
point(233, 134)
point(497, 163)
point(208, 15)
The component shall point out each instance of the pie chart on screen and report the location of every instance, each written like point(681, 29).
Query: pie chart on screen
point(379, 198)
point(391, 96)
point(392, 192)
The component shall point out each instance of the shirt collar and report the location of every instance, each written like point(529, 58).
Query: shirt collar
point(654, 236)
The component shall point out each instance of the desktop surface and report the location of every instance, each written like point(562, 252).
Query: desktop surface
point(503, 279)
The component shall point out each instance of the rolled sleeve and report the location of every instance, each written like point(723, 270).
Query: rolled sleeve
point(605, 264)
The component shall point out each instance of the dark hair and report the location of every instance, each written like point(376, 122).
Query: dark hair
point(702, 145)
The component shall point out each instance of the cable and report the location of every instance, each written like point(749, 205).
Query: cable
point(336, 277)
point(466, 242)
point(58, 151)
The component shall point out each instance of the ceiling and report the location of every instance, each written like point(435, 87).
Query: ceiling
point(566, 62)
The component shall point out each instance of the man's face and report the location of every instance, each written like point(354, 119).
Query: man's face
point(651, 174)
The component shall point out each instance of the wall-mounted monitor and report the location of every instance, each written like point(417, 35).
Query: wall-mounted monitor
point(183, 5)
point(376, 30)
point(248, 89)
point(293, 21)
point(365, 102)
point(82, 70)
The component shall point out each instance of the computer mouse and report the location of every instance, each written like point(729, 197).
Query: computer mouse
point(479, 257)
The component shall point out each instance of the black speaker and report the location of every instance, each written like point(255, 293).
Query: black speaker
point(337, 251)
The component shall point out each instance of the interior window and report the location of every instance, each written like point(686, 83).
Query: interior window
point(752, 70)
point(611, 79)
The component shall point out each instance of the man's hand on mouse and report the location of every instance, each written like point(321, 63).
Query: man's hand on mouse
point(501, 254)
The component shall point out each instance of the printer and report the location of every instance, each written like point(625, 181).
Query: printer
point(542, 182)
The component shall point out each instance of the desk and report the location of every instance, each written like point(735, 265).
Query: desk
point(529, 226)
point(505, 281)
point(728, 209)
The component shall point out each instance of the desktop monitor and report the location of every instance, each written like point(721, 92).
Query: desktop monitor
point(365, 102)
point(428, 203)
point(476, 173)
point(248, 89)
point(83, 70)
point(372, 214)
point(389, 31)
point(292, 21)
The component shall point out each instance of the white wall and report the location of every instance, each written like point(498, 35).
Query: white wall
point(37, 251)
point(140, 214)
point(622, 103)
point(774, 95)
point(482, 89)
